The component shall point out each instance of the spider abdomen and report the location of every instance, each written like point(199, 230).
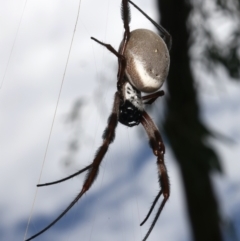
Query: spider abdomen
point(147, 60)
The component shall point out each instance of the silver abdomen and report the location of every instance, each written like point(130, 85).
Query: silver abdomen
point(147, 60)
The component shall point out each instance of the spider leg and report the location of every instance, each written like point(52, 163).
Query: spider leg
point(152, 97)
point(109, 47)
point(155, 219)
point(121, 60)
point(152, 207)
point(108, 137)
point(163, 32)
point(158, 148)
point(125, 12)
point(126, 17)
point(66, 178)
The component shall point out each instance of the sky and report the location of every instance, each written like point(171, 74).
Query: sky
point(36, 129)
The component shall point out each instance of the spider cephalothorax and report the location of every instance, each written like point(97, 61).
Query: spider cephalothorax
point(131, 107)
point(143, 64)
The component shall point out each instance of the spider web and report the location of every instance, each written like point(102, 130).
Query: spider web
point(54, 115)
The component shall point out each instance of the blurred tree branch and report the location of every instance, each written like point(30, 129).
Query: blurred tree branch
point(185, 130)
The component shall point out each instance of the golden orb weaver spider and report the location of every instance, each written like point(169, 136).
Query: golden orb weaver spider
point(143, 64)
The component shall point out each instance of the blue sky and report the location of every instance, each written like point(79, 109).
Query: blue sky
point(127, 182)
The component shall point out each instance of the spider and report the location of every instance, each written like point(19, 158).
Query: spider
point(143, 64)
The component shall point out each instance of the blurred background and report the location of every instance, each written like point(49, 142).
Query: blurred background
point(198, 119)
